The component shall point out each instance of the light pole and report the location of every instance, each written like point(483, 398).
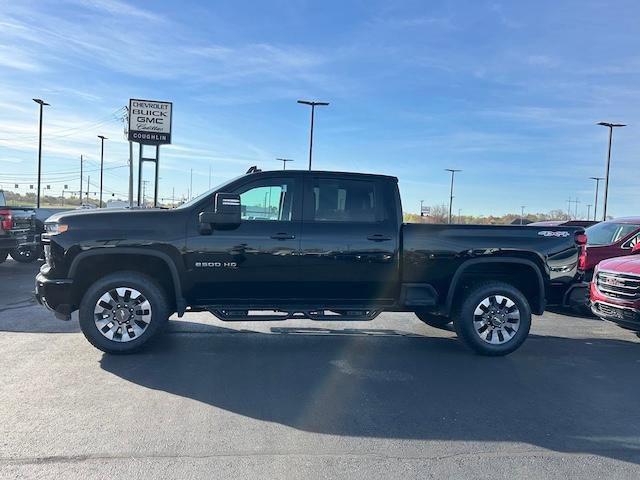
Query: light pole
point(421, 203)
point(102, 139)
point(610, 126)
point(80, 179)
point(588, 211)
point(595, 206)
point(453, 173)
point(522, 207)
point(284, 162)
point(313, 105)
point(42, 103)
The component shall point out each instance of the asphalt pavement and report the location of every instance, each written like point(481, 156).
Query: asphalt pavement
point(391, 398)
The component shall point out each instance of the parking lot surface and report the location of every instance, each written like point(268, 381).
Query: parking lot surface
point(384, 399)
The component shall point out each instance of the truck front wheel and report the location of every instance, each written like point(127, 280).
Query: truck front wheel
point(123, 311)
point(493, 319)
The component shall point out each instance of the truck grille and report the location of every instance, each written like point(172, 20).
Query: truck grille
point(620, 286)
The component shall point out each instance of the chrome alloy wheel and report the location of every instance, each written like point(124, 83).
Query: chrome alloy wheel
point(496, 319)
point(122, 314)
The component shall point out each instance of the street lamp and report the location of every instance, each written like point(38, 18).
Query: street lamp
point(313, 105)
point(610, 126)
point(42, 103)
point(102, 139)
point(284, 162)
point(595, 205)
point(522, 207)
point(453, 172)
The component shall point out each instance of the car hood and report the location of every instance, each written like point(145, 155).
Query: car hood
point(103, 214)
point(628, 264)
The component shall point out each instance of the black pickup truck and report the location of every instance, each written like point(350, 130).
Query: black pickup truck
point(291, 244)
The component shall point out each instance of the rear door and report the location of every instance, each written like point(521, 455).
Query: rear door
point(349, 240)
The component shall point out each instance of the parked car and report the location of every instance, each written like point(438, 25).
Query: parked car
point(19, 223)
point(323, 245)
point(613, 238)
point(615, 290)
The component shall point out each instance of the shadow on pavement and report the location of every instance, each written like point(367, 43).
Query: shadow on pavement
point(566, 395)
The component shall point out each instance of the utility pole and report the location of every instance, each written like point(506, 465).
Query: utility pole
point(284, 162)
point(421, 202)
point(453, 172)
point(88, 180)
point(102, 139)
point(595, 206)
point(522, 207)
point(191, 186)
point(42, 103)
point(173, 197)
point(577, 202)
point(589, 212)
point(144, 191)
point(610, 126)
point(459, 216)
point(80, 191)
point(313, 105)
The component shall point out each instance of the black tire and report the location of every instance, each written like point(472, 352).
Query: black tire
point(433, 320)
point(152, 292)
point(465, 326)
point(3, 256)
point(26, 255)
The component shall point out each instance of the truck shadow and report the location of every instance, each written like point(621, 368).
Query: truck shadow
point(561, 394)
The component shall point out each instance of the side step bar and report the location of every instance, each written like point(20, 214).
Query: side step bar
point(268, 315)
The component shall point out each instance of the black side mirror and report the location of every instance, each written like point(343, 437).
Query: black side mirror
point(227, 213)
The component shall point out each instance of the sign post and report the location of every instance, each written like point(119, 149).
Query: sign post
point(149, 124)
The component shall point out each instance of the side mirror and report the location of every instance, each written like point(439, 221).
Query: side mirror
point(227, 212)
point(636, 248)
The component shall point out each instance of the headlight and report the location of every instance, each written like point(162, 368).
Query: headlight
point(55, 228)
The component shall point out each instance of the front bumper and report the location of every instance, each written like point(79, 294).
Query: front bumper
point(576, 295)
point(627, 317)
point(56, 295)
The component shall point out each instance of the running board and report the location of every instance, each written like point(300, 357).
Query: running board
point(269, 315)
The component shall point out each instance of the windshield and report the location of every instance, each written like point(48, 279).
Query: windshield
point(202, 196)
point(606, 233)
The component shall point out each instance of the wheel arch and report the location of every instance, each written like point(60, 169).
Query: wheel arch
point(141, 263)
point(535, 293)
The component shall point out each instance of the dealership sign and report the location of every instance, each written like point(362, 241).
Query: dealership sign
point(149, 121)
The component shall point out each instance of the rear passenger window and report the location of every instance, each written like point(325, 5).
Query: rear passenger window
point(337, 200)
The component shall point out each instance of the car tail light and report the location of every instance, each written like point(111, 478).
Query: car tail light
point(6, 221)
point(581, 240)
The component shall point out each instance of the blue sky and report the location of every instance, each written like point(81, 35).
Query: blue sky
point(507, 91)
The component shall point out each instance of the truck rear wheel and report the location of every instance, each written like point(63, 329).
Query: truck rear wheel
point(123, 311)
point(493, 319)
point(433, 320)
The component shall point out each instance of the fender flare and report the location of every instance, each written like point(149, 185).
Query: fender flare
point(180, 301)
point(538, 308)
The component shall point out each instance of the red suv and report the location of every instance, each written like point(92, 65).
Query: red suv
point(615, 290)
point(613, 238)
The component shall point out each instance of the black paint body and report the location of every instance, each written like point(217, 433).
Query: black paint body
point(382, 263)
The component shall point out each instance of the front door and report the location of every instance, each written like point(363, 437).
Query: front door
point(257, 262)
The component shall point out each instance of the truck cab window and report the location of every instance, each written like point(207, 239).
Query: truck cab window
point(338, 200)
point(267, 202)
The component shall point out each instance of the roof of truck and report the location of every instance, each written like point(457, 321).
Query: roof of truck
point(325, 172)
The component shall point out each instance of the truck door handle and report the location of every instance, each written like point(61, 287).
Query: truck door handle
point(378, 237)
point(283, 236)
